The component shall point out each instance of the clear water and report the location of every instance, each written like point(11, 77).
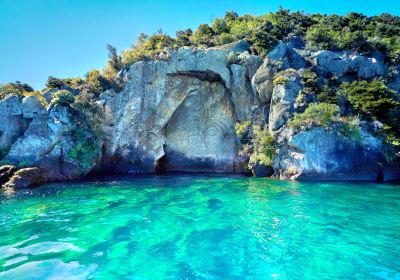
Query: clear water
point(198, 227)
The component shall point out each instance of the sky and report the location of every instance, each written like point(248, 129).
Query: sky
point(67, 38)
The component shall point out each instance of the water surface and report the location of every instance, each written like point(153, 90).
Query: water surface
point(199, 227)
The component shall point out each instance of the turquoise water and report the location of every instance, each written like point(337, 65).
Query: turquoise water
point(199, 227)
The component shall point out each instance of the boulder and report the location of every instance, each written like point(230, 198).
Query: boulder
point(236, 47)
point(332, 63)
point(341, 63)
point(10, 105)
point(282, 57)
point(28, 177)
point(12, 123)
point(262, 81)
point(6, 171)
point(31, 107)
point(320, 154)
point(368, 67)
point(287, 57)
point(48, 94)
point(283, 101)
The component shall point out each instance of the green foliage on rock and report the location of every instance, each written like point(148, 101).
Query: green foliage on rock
point(317, 114)
point(326, 115)
point(371, 98)
point(85, 150)
point(74, 83)
point(374, 101)
point(356, 32)
point(21, 89)
point(258, 145)
point(264, 147)
point(63, 98)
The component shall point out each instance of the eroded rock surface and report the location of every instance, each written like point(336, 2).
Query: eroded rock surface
point(320, 154)
point(167, 106)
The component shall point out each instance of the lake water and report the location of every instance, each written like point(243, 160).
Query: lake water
point(200, 227)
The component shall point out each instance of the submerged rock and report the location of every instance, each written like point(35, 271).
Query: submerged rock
point(29, 177)
point(6, 171)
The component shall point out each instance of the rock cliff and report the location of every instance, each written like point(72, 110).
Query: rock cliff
point(178, 113)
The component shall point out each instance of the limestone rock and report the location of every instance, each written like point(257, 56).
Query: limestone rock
point(12, 123)
point(184, 108)
point(262, 81)
point(395, 82)
point(31, 107)
point(48, 94)
point(283, 101)
point(236, 47)
point(320, 154)
point(287, 57)
point(10, 105)
point(47, 143)
point(28, 177)
point(282, 57)
point(340, 63)
point(6, 171)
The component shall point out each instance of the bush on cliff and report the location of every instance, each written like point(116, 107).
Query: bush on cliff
point(371, 98)
point(21, 89)
point(85, 150)
point(63, 98)
point(258, 145)
point(316, 114)
point(374, 101)
point(74, 83)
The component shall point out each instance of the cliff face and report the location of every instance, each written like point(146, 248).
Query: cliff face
point(179, 114)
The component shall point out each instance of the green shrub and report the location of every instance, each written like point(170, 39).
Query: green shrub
point(220, 26)
point(63, 97)
point(223, 39)
point(316, 114)
point(281, 78)
point(202, 36)
point(264, 147)
point(242, 131)
point(74, 83)
point(328, 95)
point(258, 145)
point(18, 88)
point(183, 37)
point(351, 131)
point(371, 98)
point(85, 150)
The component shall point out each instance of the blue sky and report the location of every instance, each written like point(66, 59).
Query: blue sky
point(66, 38)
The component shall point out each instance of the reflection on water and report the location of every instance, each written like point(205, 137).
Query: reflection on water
point(199, 227)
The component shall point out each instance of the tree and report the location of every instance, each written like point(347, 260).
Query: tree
point(371, 98)
point(183, 37)
point(262, 39)
point(203, 35)
point(220, 26)
point(113, 58)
